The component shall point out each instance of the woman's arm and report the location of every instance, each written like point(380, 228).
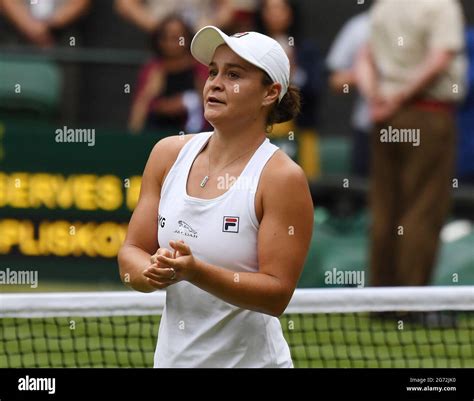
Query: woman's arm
point(283, 242)
point(36, 31)
point(134, 11)
point(141, 241)
point(153, 87)
point(68, 13)
point(338, 80)
point(366, 75)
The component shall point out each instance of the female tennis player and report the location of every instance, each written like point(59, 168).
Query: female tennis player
point(235, 215)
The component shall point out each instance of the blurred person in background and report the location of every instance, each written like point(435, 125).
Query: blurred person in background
point(43, 23)
point(48, 24)
point(169, 86)
point(243, 16)
point(465, 166)
point(413, 73)
point(226, 14)
point(341, 63)
point(279, 20)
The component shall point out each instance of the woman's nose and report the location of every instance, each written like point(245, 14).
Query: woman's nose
point(216, 83)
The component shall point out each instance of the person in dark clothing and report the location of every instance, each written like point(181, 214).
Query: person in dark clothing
point(167, 96)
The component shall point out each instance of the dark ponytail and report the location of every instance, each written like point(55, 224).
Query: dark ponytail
point(288, 108)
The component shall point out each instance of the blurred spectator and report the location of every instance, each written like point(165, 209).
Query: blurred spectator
point(43, 22)
point(465, 167)
point(413, 75)
point(279, 19)
point(170, 86)
point(48, 23)
point(341, 63)
point(226, 14)
point(243, 16)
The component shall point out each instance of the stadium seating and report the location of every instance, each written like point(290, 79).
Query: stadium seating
point(40, 85)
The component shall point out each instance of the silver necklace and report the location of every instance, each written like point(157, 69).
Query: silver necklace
point(206, 178)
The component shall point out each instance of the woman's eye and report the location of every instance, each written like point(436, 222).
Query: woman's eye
point(212, 73)
point(233, 75)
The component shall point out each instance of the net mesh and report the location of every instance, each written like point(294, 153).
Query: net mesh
point(391, 327)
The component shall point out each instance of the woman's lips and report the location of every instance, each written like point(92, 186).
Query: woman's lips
point(214, 100)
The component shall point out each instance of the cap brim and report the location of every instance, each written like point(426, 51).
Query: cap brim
point(205, 43)
point(209, 38)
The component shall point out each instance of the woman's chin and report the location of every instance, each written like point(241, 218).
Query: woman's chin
point(213, 116)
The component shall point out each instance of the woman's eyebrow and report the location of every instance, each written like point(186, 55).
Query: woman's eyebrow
point(229, 65)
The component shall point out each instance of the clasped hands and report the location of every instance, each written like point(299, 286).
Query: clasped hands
point(169, 267)
point(384, 108)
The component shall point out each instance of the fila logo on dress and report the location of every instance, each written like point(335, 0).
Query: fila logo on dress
point(230, 224)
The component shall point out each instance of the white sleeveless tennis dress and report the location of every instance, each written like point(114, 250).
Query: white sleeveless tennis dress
point(198, 329)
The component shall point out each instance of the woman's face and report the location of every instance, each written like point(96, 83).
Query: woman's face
point(234, 93)
point(277, 16)
point(172, 41)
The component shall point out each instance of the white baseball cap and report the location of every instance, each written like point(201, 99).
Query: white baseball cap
point(260, 50)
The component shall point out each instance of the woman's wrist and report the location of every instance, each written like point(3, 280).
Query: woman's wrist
point(141, 283)
point(195, 271)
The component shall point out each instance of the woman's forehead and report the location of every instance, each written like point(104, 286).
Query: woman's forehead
point(225, 55)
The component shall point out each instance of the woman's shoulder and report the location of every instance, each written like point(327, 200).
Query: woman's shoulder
point(280, 162)
point(166, 151)
point(169, 147)
point(280, 173)
point(174, 143)
point(282, 182)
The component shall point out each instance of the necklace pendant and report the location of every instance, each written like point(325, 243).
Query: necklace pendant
point(204, 181)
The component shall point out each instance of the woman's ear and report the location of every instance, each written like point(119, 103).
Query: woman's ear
point(272, 94)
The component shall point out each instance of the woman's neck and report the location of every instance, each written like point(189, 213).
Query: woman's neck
point(226, 145)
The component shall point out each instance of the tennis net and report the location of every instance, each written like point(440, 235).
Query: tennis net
point(337, 327)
